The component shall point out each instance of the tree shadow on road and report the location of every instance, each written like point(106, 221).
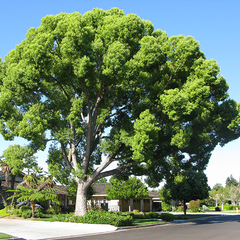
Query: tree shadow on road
point(216, 219)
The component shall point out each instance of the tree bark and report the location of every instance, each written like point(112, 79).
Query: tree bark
point(81, 199)
point(2, 196)
point(185, 207)
point(33, 209)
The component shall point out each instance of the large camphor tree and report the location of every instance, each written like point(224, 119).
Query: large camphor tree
point(106, 83)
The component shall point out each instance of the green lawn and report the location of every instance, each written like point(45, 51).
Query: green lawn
point(4, 236)
point(144, 221)
point(3, 213)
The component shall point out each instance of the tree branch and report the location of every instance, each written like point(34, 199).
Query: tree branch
point(170, 79)
point(65, 156)
point(104, 165)
point(58, 82)
point(115, 171)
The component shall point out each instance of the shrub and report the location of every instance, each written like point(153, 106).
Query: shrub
point(211, 208)
point(130, 214)
point(194, 206)
point(180, 209)
point(166, 207)
point(217, 209)
point(153, 214)
point(96, 217)
point(230, 207)
point(25, 208)
point(17, 212)
point(27, 214)
point(168, 217)
point(38, 212)
point(54, 209)
point(3, 212)
point(9, 208)
point(141, 216)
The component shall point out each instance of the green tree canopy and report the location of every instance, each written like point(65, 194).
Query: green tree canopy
point(15, 159)
point(219, 194)
point(132, 188)
point(19, 158)
point(186, 186)
point(109, 83)
point(231, 181)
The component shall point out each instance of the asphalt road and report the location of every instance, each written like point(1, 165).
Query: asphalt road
point(219, 227)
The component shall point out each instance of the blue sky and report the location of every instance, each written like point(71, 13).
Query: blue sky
point(214, 23)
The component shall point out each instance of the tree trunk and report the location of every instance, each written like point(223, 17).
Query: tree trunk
point(3, 197)
point(185, 207)
point(33, 209)
point(81, 200)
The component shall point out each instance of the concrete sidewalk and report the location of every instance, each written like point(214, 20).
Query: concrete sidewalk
point(27, 229)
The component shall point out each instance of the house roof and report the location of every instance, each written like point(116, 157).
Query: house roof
point(62, 190)
point(22, 174)
point(99, 189)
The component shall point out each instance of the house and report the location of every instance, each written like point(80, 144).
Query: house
point(99, 198)
point(148, 204)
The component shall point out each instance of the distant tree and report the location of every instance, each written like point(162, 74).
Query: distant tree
point(217, 186)
point(132, 188)
point(185, 186)
point(39, 188)
point(231, 181)
point(233, 193)
point(15, 159)
point(219, 194)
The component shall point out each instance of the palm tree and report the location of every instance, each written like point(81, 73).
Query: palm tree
point(38, 188)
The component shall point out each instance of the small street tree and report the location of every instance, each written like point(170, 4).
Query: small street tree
point(185, 186)
point(15, 159)
point(38, 188)
point(132, 188)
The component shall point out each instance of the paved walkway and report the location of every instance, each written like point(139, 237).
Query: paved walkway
point(27, 229)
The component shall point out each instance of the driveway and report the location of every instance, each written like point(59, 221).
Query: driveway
point(27, 229)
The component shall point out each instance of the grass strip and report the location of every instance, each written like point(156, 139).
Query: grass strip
point(5, 236)
point(144, 221)
point(4, 213)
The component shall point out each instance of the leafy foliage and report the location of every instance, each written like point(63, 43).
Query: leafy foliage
point(96, 217)
point(186, 186)
point(231, 181)
point(166, 207)
point(168, 217)
point(131, 188)
point(194, 205)
point(38, 189)
point(19, 158)
point(153, 214)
